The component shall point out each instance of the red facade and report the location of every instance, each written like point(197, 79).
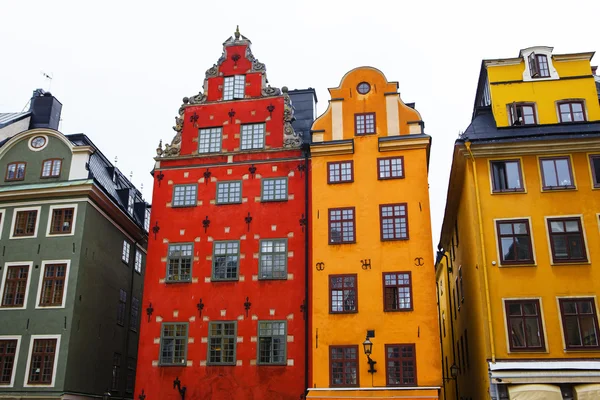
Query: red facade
point(247, 292)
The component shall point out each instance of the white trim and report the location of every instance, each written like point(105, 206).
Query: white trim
point(368, 389)
point(500, 265)
point(56, 355)
point(538, 50)
point(2, 218)
point(34, 203)
point(585, 243)
point(12, 264)
point(525, 351)
point(39, 148)
point(560, 321)
point(544, 365)
point(37, 222)
point(41, 279)
point(54, 207)
point(16, 360)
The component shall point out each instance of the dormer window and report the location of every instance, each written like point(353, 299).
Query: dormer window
point(233, 87)
point(571, 111)
point(538, 66)
point(130, 205)
point(521, 114)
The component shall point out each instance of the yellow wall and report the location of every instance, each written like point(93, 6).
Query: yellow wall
point(366, 193)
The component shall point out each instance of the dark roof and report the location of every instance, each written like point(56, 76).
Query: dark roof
point(9, 118)
point(483, 129)
point(597, 78)
point(304, 102)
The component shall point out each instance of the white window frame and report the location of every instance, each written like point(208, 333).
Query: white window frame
point(2, 218)
point(127, 245)
point(147, 214)
point(27, 286)
point(56, 356)
point(138, 265)
point(41, 280)
point(15, 362)
point(234, 79)
point(51, 211)
point(37, 222)
point(131, 204)
point(544, 331)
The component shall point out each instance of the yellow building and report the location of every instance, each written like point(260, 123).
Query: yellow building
point(518, 270)
point(373, 281)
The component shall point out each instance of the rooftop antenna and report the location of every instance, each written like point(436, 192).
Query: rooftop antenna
point(48, 78)
point(116, 160)
point(131, 175)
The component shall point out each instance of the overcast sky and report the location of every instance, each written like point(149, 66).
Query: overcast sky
point(120, 69)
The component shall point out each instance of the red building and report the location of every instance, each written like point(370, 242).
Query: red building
point(225, 284)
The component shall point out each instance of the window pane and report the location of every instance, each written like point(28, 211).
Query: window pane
point(572, 328)
point(548, 168)
point(512, 175)
point(596, 170)
point(517, 332)
point(588, 331)
point(564, 174)
point(533, 334)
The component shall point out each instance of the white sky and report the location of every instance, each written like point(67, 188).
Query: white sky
point(121, 68)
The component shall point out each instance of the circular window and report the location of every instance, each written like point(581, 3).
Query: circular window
point(363, 88)
point(38, 142)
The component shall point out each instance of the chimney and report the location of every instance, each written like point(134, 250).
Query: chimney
point(45, 110)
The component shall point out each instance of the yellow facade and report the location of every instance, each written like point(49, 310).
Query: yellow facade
point(343, 321)
point(483, 286)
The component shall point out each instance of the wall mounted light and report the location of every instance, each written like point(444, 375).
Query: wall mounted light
point(368, 348)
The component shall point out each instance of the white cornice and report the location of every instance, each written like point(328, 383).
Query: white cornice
point(533, 147)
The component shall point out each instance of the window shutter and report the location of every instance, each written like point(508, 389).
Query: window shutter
point(512, 111)
point(534, 67)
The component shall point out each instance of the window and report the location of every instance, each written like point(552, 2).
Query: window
point(556, 173)
point(38, 142)
point(130, 202)
point(179, 262)
point(271, 342)
point(62, 221)
point(340, 172)
point(253, 136)
point(343, 365)
point(8, 353)
point(580, 323)
point(364, 124)
point(466, 349)
point(457, 292)
point(122, 307)
point(274, 189)
point(506, 176)
point(273, 259)
point(538, 66)
point(390, 168)
point(522, 114)
point(15, 286)
point(455, 301)
point(25, 223)
point(130, 375)
point(41, 367)
point(524, 322)
point(125, 252)
point(209, 140)
point(173, 344)
point(363, 88)
point(514, 242)
point(342, 227)
point(138, 261)
point(135, 313)
point(116, 371)
point(184, 195)
point(233, 87)
point(53, 285)
point(393, 220)
point(221, 343)
point(15, 171)
point(595, 164)
point(51, 168)
point(460, 285)
point(397, 291)
point(343, 294)
point(229, 192)
point(571, 111)
point(226, 257)
point(400, 365)
point(566, 240)
point(147, 219)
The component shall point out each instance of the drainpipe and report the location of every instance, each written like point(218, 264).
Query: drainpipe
point(483, 254)
point(450, 298)
point(306, 267)
point(437, 292)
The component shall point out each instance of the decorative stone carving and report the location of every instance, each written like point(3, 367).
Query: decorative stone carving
point(270, 91)
point(198, 99)
point(212, 72)
point(290, 137)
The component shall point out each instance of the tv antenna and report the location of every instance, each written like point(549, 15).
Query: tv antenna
point(48, 78)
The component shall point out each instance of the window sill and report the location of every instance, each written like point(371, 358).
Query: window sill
point(283, 364)
point(339, 183)
point(170, 282)
point(340, 243)
point(400, 310)
point(228, 203)
point(173, 365)
point(550, 189)
point(394, 240)
point(343, 312)
point(23, 237)
point(570, 263)
point(273, 200)
point(221, 364)
point(212, 279)
point(515, 191)
point(184, 206)
point(389, 178)
point(577, 350)
point(528, 351)
point(509, 265)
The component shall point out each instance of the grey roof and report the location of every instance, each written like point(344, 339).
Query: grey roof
point(597, 78)
point(8, 118)
point(483, 129)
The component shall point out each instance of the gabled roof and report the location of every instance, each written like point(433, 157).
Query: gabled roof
point(9, 118)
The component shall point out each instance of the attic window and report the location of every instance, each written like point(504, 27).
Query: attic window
point(130, 205)
point(538, 66)
point(522, 114)
point(233, 87)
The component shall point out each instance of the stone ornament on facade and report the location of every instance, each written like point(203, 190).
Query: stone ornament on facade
point(290, 137)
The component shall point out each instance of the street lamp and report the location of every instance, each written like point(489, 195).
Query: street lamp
point(453, 373)
point(368, 347)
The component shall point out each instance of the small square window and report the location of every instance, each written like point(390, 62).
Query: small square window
point(566, 240)
point(179, 262)
point(185, 195)
point(53, 285)
point(253, 136)
point(62, 221)
point(173, 344)
point(580, 323)
point(556, 173)
point(272, 341)
point(571, 111)
point(595, 165)
point(41, 367)
point(342, 227)
point(506, 176)
point(15, 171)
point(25, 223)
point(273, 259)
point(126, 252)
point(343, 366)
point(524, 322)
point(340, 172)
point(274, 189)
point(397, 291)
point(15, 286)
point(364, 124)
point(226, 260)
point(390, 168)
point(522, 114)
point(221, 343)
point(51, 168)
point(514, 242)
point(229, 192)
point(393, 220)
point(138, 261)
point(209, 140)
point(122, 307)
point(400, 365)
point(343, 295)
point(234, 87)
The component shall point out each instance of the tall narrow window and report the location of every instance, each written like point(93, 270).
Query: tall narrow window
point(229, 192)
point(125, 252)
point(364, 124)
point(272, 341)
point(595, 165)
point(221, 343)
point(397, 291)
point(42, 361)
point(460, 284)
point(130, 375)
point(343, 366)
point(467, 358)
point(179, 262)
point(51, 168)
point(390, 168)
point(209, 140)
point(273, 259)
point(226, 256)
point(62, 221)
point(135, 314)
point(566, 240)
point(8, 352)
point(571, 111)
point(185, 195)
point(400, 365)
point(15, 171)
point(524, 325)
point(25, 223)
point(253, 136)
point(514, 242)
point(580, 322)
point(122, 307)
point(138, 261)
point(340, 172)
point(342, 228)
point(173, 344)
point(53, 285)
point(15, 286)
point(394, 221)
point(343, 294)
point(274, 189)
point(130, 204)
point(233, 87)
point(522, 114)
point(506, 176)
point(116, 372)
point(556, 173)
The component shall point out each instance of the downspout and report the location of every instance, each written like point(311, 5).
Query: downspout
point(450, 298)
point(483, 254)
point(437, 291)
point(306, 267)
